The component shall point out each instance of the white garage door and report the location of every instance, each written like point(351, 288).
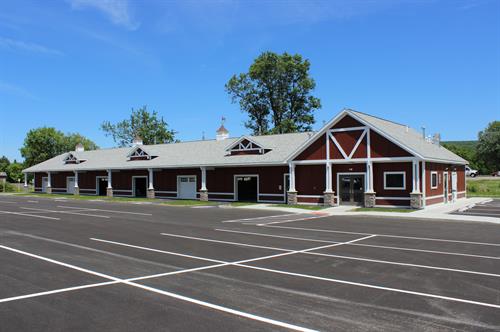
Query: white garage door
point(70, 185)
point(186, 186)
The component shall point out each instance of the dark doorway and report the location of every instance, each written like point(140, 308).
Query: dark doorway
point(247, 188)
point(352, 188)
point(102, 186)
point(140, 187)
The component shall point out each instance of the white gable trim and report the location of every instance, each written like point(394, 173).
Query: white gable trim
point(135, 152)
point(239, 146)
point(336, 119)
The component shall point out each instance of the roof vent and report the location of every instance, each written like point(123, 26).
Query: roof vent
point(222, 132)
point(79, 147)
point(436, 139)
point(137, 141)
point(423, 132)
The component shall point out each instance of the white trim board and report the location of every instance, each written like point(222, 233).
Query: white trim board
point(394, 173)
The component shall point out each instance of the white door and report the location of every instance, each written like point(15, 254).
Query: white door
point(45, 183)
point(70, 184)
point(186, 187)
point(454, 186)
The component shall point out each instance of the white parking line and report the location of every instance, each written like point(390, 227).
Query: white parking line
point(277, 236)
point(30, 215)
point(431, 267)
point(366, 245)
point(66, 212)
point(169, 294)
point(385, 235)
point(259, 218)
point(291, 220)
point(7, 202)
point(396, 290)
point(104, 210)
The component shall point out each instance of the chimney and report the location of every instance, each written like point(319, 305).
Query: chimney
point(423, 132)
point(222, 133)
point(137, 141)
point(79, 147)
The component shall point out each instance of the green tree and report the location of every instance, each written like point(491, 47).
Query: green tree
point(488, 147)
point(44, 143)
point(276, 94)
point(14, 172)
point(148, 126)
point(4, 163)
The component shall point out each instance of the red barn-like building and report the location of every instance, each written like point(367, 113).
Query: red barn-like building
point(354, 159)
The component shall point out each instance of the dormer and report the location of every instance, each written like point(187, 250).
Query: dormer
point(246, 145)
point(138, 153)
point(71, 158)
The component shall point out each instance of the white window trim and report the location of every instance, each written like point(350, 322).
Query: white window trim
point(395, 173)
point(437, 180)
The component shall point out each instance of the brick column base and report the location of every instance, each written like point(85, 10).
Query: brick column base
point(109, 192)
point(416, 200)
point(48, 190)
point(204, 195)
point(292, 198)
point(77, 191)
point(329, 198)
point(369, 199)
point(151, 193)
point(26, 189)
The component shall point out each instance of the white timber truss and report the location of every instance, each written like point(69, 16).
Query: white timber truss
point(138, 153)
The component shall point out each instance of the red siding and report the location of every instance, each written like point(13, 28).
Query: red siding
point(315, 151)
point(346, 122)
point(310, 179)
point(382, 147)
point(378, 179)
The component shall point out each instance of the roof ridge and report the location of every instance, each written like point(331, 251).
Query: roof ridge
point(380, 118)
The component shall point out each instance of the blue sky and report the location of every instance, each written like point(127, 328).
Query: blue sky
point(73, 64)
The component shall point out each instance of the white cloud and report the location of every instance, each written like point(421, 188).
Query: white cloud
point(12, 44)
point(15, 90)
point(117, 11)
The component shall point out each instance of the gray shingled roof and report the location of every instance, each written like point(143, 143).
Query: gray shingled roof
point(213, 152)
point(411, 138)
point(184, 154)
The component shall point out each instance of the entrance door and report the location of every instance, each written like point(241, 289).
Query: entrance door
point(246, 188)
point(445, 187)
point(102, 185)
point(45, 183)
point(352, 189)
point(70, 185)
point(186, 186)
point(140, 187)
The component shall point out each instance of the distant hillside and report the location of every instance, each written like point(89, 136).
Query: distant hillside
point(465, 144)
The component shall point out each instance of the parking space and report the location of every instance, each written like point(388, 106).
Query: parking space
point(489, 208)
point(129, 267)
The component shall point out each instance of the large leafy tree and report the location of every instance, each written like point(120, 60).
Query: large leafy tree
point(488, 147)
point(44, 143)
point(14, 172)
point(4, 163)
point(276, 94)
point(147, 125)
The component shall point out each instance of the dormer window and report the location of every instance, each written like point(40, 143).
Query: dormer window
point(138, 154)
point(246, 146)
point(71, 159)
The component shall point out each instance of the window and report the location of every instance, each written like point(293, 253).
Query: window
point(434, 180)
point(395, 180)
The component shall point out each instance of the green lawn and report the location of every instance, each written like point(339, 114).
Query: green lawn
point(181, 202)
point(483, 188)
point(380, 209)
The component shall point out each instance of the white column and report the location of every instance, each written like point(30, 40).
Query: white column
point(110, 180)
point(328, 178)
point(203, 178)
point(49, 180)
point(76, 179)
point(25, 180)
point(369, 177)
point(415, 177)
point(423, 183)
point(418, 175)
point(151, 184)
point(291, 168)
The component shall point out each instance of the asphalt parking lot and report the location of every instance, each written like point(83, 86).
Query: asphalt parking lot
point(83, 265)
point(486, 209)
